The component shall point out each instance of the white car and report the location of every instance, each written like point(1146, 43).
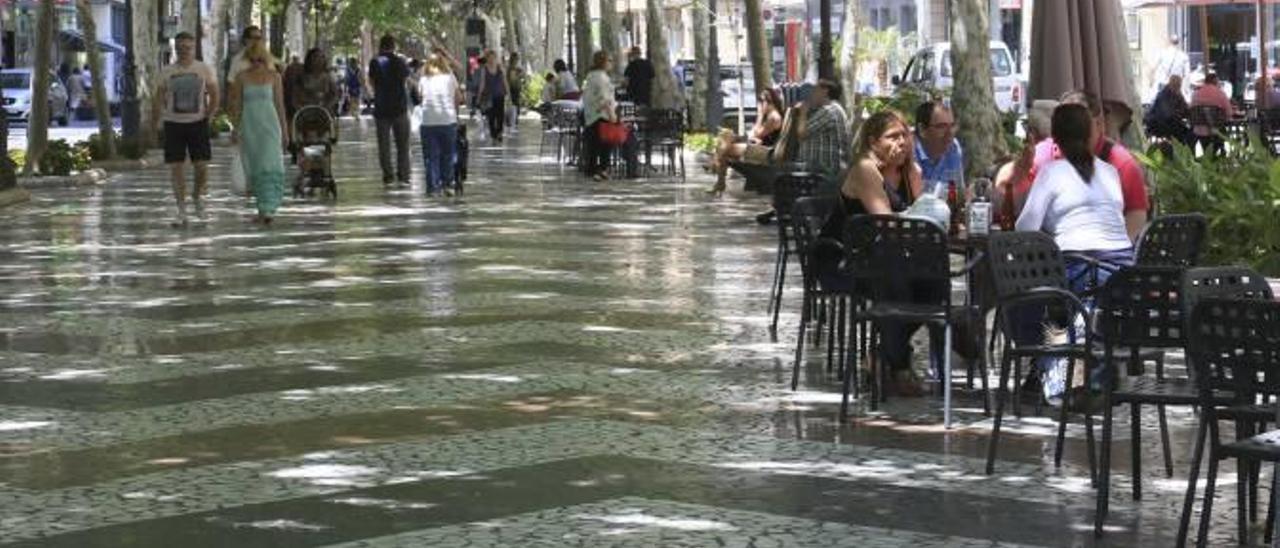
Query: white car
point(17, 88)
point(930, 69)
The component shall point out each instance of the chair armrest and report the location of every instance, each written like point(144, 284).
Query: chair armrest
point(1044, 294)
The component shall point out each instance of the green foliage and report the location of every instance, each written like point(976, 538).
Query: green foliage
point(219, 125)
point(130, 147)
point(1009, 123)
point(19, 158)
point(98, 148)
point(531, 95)
point(1238, 192)
point(60, 158)
point(905, 101)
point(700, 141)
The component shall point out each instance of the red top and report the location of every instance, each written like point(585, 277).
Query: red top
point(1132, 181)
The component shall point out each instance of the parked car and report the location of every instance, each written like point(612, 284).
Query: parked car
point(930, 70)
point(17, 87)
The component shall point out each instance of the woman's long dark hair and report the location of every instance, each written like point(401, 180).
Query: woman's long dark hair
point(774, 99)
point(1072, 132)
point(313, 64)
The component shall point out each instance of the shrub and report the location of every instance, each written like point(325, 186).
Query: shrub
point(98, 148)
point(219, 125)
point(130, 147)
point(1238, 192)
point(700, 141)
point(531, 95)
point(60, 158)
point(19, 158)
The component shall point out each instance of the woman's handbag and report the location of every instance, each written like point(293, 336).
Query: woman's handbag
point(613, 134)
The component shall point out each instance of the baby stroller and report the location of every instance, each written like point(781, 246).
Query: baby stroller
point(314, 135)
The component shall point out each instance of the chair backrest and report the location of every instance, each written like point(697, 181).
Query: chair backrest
point(1018, 261)
point(1234, 347)
point(790, 186)
point(1173, 240)
point(1207, 115)
point(1141, 306)
point(887, 252)
point(807, 217)
point(665, 124)
point(1269, 121)
point(1234, 282)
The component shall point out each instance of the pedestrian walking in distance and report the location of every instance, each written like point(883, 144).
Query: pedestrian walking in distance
point(389, 76)
point(257, 112)
point(186, 92)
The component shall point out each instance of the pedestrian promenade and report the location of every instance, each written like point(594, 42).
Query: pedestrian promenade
point(545, 361)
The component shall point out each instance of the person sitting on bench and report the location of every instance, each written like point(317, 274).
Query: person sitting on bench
point(754, 149)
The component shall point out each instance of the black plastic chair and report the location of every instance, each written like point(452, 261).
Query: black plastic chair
point(1173, 240)
point(884, 253)
point(1269, 128)
point(1027, 269)
point(820, 301)
point(664, 132)
point(1140, 308)
point(1221, 282)
point(1235, 350)
point(790, 187)
point(1212, 118)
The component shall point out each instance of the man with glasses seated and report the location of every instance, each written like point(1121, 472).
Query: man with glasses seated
point(937, 151)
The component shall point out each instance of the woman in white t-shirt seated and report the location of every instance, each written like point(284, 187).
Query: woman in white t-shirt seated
point(441, 97)
point(1078, 201)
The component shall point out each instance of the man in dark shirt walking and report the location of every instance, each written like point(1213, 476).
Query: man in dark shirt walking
point(388, 74)
point(639, 76)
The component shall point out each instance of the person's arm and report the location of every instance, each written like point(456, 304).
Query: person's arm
point(1133, 187)
point(1036, 207)
point(458, 97)
point(158, 98)
point(865, 183)
point(802, 122)
point(373, 75)
point(278, 86)
point(234, 100)
point(211, 91)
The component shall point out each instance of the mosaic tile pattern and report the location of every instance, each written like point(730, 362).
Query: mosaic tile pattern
point(544, 362)
point(636, 523)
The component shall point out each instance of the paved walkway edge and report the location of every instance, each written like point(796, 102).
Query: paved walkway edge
point(14, 196)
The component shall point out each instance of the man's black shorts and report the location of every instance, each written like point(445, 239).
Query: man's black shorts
point(183, 140)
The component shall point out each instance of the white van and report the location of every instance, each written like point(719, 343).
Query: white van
point(930, 69)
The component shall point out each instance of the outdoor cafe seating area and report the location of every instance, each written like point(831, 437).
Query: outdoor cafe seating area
point(1222, 321)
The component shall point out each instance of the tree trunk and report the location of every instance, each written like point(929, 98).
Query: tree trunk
point(101, 107)
point(610, 32)
point(146, 27)
point(244, 16)
point(276, 21)
point(188, 19)
point(758, 46)
point(218, 33)
point(848, 62)
point(715, 101)
point(38, 124)
point(582, 37)
point(665, 94)
point(698, 95)
point(555, 29)
point(972, 97)
point(509, 23)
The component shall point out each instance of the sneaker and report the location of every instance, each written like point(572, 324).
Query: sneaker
point(200, 212)
point(180, 221)
point(448, 192)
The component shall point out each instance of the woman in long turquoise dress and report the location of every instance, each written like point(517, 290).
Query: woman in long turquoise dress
point(257, 99)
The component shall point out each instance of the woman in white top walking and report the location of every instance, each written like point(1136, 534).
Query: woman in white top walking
point(597, 106)
point(441, 96)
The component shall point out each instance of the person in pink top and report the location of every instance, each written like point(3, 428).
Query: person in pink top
point(1210, 93)
point(1133, 184)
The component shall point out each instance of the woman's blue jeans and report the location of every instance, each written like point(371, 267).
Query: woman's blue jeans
point(439, 149)
point(1029, 321)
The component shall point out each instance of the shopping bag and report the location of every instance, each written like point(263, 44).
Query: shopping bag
point(238, 184)
point(612, 134)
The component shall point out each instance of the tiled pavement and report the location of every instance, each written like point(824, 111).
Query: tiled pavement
point(545, 362)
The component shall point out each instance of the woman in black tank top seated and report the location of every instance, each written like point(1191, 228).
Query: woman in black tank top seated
point(884, 180)
point(755, 147)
